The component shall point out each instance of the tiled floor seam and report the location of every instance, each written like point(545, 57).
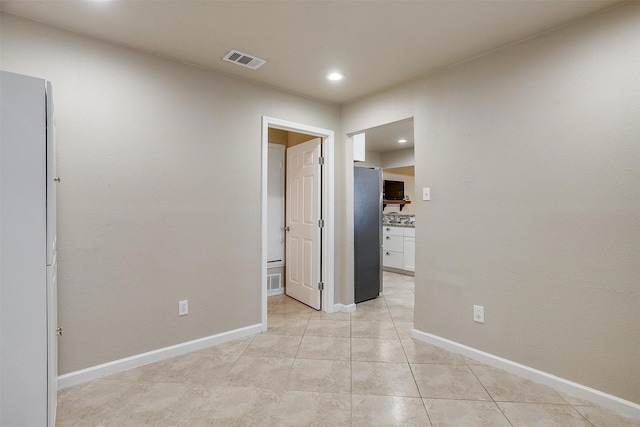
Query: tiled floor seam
point(543, 404)
point(483, 386)
point(546, 404)
point(487, 391)
point(241, 354)
point(583, 417)
point(295, 357)
point(424, 404)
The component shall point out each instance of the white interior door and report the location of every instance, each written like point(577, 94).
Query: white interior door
point(303, 250)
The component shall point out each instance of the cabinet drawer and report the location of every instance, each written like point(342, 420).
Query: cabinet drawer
point(392, 231)
point(392, 259)
point(393, 243)
point(409, 253)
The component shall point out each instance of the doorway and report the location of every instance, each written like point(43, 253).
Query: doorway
point(390, 147)
point(294, 221)
point(326, 209)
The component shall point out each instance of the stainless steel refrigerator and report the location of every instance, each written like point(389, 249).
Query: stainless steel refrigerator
point(367, 208)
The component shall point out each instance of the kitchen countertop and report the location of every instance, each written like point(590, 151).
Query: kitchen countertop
point(399, 224)
point(399, 221)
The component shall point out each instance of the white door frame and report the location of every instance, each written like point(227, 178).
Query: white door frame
point(328, 203)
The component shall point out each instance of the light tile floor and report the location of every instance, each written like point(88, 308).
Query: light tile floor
point(318, 369)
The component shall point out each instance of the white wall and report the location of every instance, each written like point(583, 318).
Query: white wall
point(371, 160)
point(532, 154)
point(151, 154)
point(398, 158)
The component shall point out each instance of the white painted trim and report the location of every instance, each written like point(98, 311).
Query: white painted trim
point(275, 292)
point(616, 404)
point(345, 308)
point(275, 264)
point(327, 207)
point(99, 371)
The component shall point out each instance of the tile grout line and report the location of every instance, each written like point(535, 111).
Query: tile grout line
point(240, 355)
point(395, 327)
point(297, 349)
point(487, 391)
point(580, 413)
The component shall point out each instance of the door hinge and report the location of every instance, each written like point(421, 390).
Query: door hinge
point(321, 223)
point(320, 286)
point(321, 160)
point(59, 330)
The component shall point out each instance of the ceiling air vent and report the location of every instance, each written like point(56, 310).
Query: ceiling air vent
point(244, 59)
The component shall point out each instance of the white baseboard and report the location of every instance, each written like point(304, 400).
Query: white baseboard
point(275, 292)
point(345, 308)
point(99, 371)
point(399, 271)
point(620, 406)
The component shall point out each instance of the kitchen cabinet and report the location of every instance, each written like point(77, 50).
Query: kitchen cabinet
point(398, 244)
point(409, 253)
point(393, 242)
point(28, 303)
point(392, 247)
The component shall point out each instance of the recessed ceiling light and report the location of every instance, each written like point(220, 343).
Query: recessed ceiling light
point(334, 77)
point(402, 141)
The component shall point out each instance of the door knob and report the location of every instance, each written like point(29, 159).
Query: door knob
point(56, 179)
point(286, 228)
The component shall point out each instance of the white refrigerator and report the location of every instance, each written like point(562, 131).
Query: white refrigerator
point(28, 262)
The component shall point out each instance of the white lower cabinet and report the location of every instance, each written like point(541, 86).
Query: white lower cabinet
point(393, 243)
point(409, 253)
point(398, 247)
point(393, 259)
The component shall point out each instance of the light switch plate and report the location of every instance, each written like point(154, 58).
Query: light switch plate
point(426, 193)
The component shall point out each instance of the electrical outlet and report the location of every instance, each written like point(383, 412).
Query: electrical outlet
point(478, 313)
point(183, 307)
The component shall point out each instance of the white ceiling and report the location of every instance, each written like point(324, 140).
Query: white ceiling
point(377, 44)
